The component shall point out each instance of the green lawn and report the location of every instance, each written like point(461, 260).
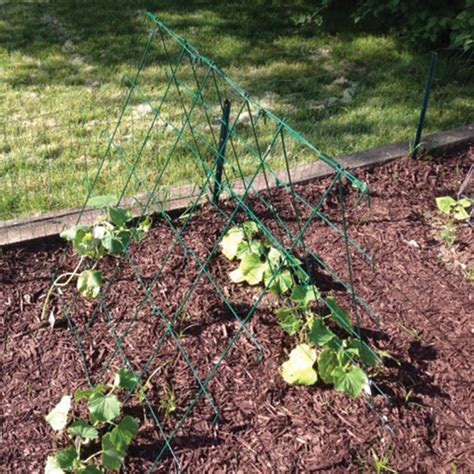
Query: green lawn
point(61, 68)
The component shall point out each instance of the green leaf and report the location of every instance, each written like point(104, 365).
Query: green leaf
point(230, 242)
point(85, 244)
point(253, 269)
point(99, 232)
point(466, 203)
point(126, 379)
point(123, 434)
point(351, 382)
point(80, 394)
point(89, 282)
point(119, 217)
point(145, 224)
point(320, 335)
point(281, 283)
point(67, 458)
point(445, 204)
point(339, 315)
point(71, 234)
point(52, 466)
point(104, 407)
point(112, 244)
point(274, 257)
point(83, 430)
point(58, 416)
point(362, 351)
point(327, 362)
point(90, 469)
point(460, 213)
point(298, 369)
point(112, 454)
point(303, 295)
point(250, 229)
point(289, 321)
point(246, 248)
point(99, 202)
point(236, 276)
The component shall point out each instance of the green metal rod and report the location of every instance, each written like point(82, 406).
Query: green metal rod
point(221, 154)
point(424, 105)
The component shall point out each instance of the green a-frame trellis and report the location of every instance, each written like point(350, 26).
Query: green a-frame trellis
point(197, 128)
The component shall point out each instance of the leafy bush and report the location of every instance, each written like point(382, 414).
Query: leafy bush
point(433, 23)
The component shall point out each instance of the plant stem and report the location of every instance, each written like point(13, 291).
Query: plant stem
point(57, 284)
point(92, 456)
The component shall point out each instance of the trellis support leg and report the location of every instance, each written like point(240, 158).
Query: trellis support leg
point(221, 153)
point(424, 105)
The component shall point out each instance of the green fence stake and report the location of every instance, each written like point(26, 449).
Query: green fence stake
point(221, 153)
point(424, 105)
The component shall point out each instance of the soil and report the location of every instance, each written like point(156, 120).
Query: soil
point(423, 423)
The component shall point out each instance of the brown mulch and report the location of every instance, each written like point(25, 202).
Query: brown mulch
point(419, 289)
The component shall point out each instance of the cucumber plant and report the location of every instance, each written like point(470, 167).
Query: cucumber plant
point(320, 353)
point(110, 235)
point(99, 443)
point(452, 211)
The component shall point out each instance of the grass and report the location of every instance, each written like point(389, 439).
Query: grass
point(62, 63)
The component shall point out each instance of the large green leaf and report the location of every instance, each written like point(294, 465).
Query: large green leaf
point(445, 204)
point(253, 269)
point(67, 458)
point(100, 202)
point(89, 282)
point(113, 455)
point(327, 362)
point(321, 335)
point(123, 434)
point(281, 283)
point(339, 315)
point(104, 407)
point(298, 369)
point(58, 416)
point(363, 352)
point(352, 382)
point(86, 245)
point(289, 321)
point(83, 430)
point(81, 394)
point(115, 242)
point(230, 242)
point(119, 217)
point(52, 466)
point(303, 295)
point(253, 246)
point(126, 379)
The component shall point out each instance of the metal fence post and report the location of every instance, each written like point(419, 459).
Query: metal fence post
point(424, 105)
point(221, 153)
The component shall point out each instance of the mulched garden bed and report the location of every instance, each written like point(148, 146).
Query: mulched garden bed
point(418, 288)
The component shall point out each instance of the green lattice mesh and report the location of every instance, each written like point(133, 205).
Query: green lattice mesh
point(172, 127)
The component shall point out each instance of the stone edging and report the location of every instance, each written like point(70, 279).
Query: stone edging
point(52, 223)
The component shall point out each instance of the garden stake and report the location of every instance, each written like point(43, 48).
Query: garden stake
point(221, 153)
point(424, 105)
